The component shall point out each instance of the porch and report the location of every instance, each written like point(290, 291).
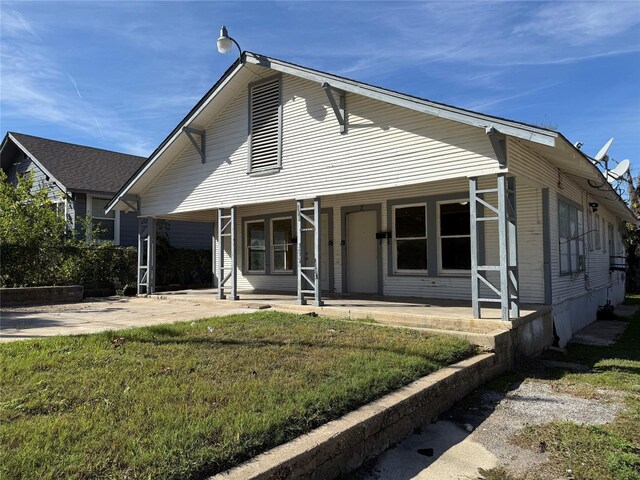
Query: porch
point(453, 239)
point(525, 335)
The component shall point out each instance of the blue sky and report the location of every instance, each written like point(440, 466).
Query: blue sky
point(121, 75)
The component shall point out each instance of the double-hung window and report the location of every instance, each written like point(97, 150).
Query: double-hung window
point(410, 238)
point(454, 237)
point(570, 237)
point(282, 246)
point(255, 242)
point(103, 223)
point(265, 126)
point(595, 231)
point(610, 238)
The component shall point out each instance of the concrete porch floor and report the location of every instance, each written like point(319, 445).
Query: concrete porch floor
point(437, 315)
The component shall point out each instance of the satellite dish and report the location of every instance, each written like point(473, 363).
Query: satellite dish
point(603, 151)
point(618, 172)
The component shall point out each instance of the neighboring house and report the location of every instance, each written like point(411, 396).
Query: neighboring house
point(81, 180)
point(415, 198)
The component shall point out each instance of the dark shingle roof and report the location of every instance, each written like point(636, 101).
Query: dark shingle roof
point(81, 168)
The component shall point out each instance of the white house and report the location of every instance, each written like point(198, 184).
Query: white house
point(318, 183)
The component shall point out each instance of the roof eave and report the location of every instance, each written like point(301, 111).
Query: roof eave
point(190, 117)
point(515, 129)
point(52, 177)
point(624, 207)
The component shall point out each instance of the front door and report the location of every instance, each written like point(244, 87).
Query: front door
point(324, 250)
point(362, 252)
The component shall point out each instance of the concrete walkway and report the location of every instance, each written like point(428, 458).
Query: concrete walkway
point(98, 314)
point(604, 333)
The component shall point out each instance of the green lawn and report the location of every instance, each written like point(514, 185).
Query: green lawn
point(191, 399)
point(598, 452)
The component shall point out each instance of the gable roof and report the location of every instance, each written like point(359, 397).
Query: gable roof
point(547, 142)
point(76, 167)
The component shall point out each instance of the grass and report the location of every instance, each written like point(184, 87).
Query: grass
point(190, 399)
point(598, 452)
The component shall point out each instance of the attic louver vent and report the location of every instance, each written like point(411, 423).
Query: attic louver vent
point(265, 126)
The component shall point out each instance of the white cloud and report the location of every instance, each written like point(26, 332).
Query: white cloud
point(582, 23)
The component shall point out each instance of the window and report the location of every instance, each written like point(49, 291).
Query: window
point(610, 239)
point(255, 246)
point(410, 238)
point(595, 231)
point(282, 246)
point(59, 207)
point(570, 237)
point(604, 238)
point(454, 236)
point(105, 223)
point(265, 120)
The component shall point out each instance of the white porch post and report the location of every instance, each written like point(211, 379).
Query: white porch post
point(317, 212)
point(506, 292)
point(307, 221)
point(146, 255)
point(214, 272)
point(473, 218)
point(151, 256)
point(299, 252)
point(227, 228)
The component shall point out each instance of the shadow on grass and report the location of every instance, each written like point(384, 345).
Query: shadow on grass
point(436, 357)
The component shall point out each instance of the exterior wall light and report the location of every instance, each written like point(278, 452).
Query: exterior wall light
point(225, 43)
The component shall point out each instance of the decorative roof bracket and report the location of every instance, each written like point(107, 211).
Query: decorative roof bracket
point(130, 205)
point(199, 148)
point(338, 108)
point(499, 143)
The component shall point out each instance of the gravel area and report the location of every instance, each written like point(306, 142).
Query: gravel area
point(447, 450)
point(533, 403)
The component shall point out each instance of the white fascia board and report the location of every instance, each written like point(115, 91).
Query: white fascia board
point(132, 181)
point(474, 119)
point(40, 166)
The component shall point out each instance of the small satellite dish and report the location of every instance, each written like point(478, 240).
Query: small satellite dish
point(603, 151)
point(618, 172)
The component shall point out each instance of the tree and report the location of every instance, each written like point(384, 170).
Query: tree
point(32, 234)
point(28, 217)
point(632, 240)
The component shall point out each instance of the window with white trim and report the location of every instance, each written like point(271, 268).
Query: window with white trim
point(282, 246)
point(454, 236)
point(105, 223)
point(595, 231)
point(610, 238)
point(410, 238)
point(570, 237)
point(255, 242)
point(265, 122)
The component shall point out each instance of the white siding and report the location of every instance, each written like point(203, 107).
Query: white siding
point(385, 146)
point(431, 286)
point(587, 289)
point(530, 243)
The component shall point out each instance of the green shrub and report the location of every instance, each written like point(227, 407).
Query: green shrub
point(37, 248)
